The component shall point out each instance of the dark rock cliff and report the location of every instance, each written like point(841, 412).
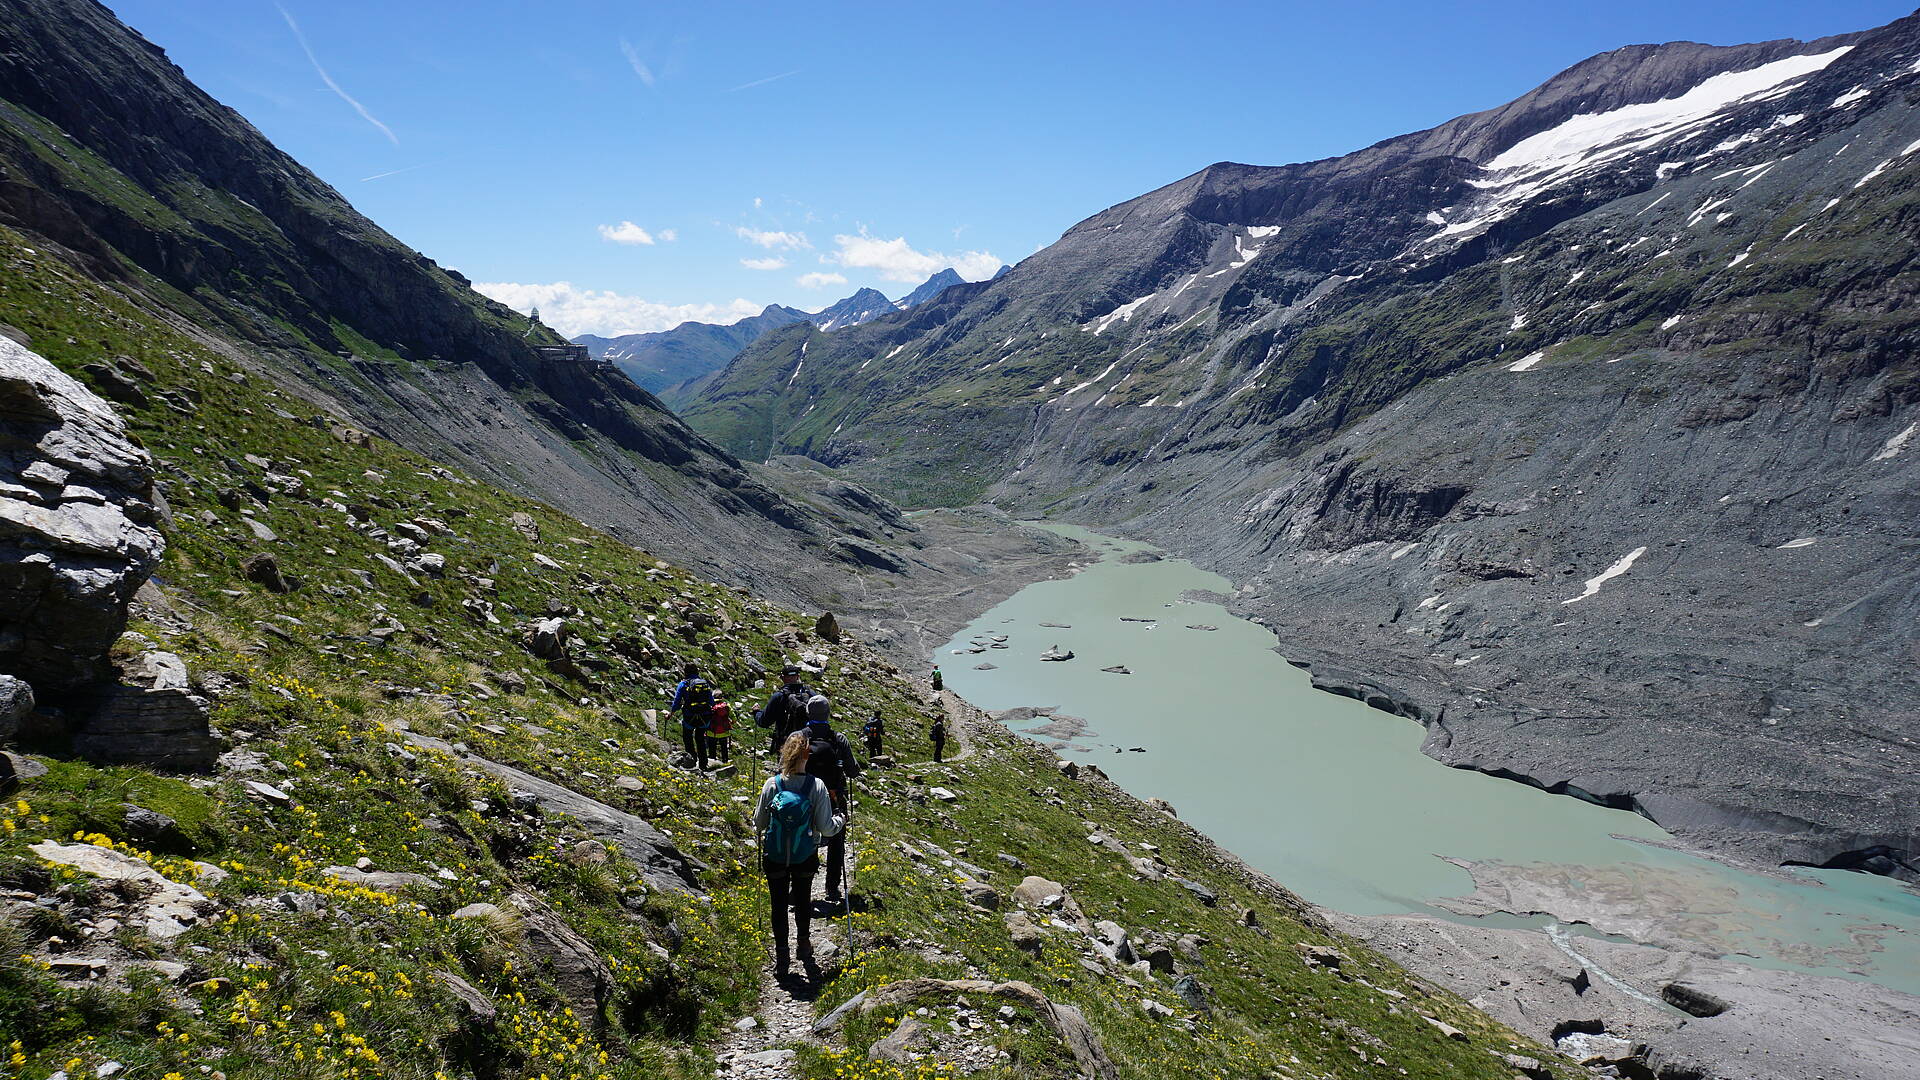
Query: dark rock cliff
point(110, 156)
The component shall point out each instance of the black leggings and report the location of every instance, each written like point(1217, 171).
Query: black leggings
point(695, 740)
point(791, 887)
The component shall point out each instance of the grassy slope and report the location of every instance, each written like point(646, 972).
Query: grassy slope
point(349, 990)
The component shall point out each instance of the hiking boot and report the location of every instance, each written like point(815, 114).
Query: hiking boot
point(804, 951)
point(781, 962)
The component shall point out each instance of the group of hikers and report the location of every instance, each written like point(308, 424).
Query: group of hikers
point(804, 805)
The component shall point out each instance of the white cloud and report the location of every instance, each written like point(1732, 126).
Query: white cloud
point(818, 280)
point(896, 260)
point(574, 311)
point(772, 240)
point(639, 66)
point(668, 236)
point(626, 233)
point(758, 202)
point(774, 263)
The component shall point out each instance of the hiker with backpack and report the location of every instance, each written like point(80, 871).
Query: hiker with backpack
point(939, 681)
point(872, 731)
point(794, 815)
point(786, 711)
point(693, 700)
point(938, 733)
point(720, 731)
point(830, 760)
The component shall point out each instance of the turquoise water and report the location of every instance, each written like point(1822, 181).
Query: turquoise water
point(1336, 801)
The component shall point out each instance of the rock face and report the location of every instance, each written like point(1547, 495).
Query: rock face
point(77, 538)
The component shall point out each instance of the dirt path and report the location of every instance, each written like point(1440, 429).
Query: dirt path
point(760, 1050)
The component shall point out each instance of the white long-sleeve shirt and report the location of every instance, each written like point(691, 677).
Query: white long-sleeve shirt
point(825, 822)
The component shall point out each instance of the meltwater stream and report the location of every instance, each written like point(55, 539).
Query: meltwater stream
point(1335, 800)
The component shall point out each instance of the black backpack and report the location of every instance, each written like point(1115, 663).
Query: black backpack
point(696, 699)
point(824, 761)
point(793, 704)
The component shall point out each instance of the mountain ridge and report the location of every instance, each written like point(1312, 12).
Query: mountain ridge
point(667, 361)
point(1228, 365)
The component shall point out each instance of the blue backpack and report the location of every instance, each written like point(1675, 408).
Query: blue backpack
point(789, 837)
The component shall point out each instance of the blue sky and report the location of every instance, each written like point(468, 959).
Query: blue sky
point(630, 165)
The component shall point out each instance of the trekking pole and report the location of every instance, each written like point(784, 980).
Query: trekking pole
point(847, 867)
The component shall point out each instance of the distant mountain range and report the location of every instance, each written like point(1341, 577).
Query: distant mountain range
point(662, 360)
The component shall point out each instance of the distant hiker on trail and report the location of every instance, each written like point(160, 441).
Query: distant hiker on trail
point(938, 733)
point(720, 731)
point(794, 814)
point(831, 760)
point(693, 700)
point(939, 682)
point(874, 729)
point(786, 711)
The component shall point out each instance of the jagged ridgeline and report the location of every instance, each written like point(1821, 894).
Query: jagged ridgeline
point(1591, 417)
point(438, 831)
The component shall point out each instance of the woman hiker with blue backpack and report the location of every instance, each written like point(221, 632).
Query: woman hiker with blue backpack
point(794, 815)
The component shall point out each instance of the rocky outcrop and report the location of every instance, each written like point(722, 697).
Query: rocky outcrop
point(662, 865)
point(554, 949)
point(77, 532)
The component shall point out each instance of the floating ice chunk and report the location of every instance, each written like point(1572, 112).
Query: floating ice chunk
point(1897, 443)
point(1805, 541)
point(1621, 566)
point(1527, 362)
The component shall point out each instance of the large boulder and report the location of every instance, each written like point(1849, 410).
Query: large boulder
point(77, 524)
point(16, 701)
point(151, 716)
point(551, 946)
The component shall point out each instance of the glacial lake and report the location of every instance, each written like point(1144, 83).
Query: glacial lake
point(1335, 799)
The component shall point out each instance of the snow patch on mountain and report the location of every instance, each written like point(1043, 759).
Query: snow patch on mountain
point(1621, 566)
point(1589, 141)
point(1123, 313)
point(1896, 444)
